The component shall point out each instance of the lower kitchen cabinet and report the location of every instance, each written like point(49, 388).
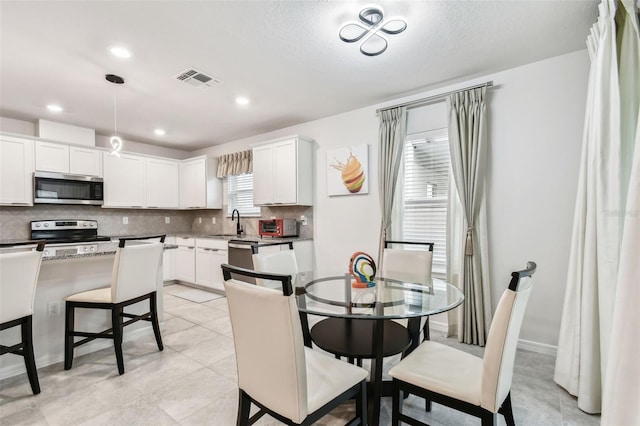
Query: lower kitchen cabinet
point(210, 254)
point(185, 260)
point(168, 261)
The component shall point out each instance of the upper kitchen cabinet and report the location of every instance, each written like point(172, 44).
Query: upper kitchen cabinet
point(199, 186)
point(163, 189)
point(60, 158)
point(283, 172)
point(124, 181)
point(16, 171)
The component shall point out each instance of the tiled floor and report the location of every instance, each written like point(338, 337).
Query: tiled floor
point(192, 382)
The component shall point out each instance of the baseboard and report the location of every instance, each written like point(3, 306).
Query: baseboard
point(541, 348)
point(527, 345)
point(96, 345)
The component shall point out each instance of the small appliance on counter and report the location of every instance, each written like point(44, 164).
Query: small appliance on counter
point(277, 227)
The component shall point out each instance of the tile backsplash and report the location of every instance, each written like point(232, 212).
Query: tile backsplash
point(15, 221)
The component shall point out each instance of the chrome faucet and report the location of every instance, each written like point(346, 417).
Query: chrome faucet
point(238, 226)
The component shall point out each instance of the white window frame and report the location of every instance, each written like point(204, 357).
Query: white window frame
point(231, 198)
point(401, 206)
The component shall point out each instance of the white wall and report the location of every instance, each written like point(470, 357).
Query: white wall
point(535, 117)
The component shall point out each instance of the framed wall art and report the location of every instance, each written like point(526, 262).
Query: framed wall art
point(348, 170)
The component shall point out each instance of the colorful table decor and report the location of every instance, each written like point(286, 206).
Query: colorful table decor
point(363, 268)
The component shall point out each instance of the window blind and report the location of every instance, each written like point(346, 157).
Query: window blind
point(425, 192)
point(240, 195)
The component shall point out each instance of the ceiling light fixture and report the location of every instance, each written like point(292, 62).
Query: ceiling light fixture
point(373, 43)
point(115, 140)
point(241, 100)
point(120, 52)
point(159, 132)
point(55, 108)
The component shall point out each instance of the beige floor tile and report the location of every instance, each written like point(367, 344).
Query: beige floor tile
point(196, 312)
point(189, 338)
point(211, 351)
point(139, 414)
point(220, 325)
point(83, 404)
point(193, 392)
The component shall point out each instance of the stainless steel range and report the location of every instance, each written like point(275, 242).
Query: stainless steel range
point(67, 237)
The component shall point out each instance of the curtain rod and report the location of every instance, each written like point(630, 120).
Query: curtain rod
point(434, 98)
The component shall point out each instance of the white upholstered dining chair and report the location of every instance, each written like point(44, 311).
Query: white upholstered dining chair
point(477, 386)
point(411, 266)
point(18, 278)
point(276, 372)
point(134, 279)
point(277, 262)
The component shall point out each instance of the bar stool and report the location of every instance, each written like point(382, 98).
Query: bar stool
point(18, 277)
point(134, 279)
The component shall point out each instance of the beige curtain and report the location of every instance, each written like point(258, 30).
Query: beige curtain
point(391, 136)
point(598, 340)
point(470, 267)
point(236, 163)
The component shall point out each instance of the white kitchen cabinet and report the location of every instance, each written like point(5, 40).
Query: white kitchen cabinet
point(162, 183)
point(124, 181)
point(85, 161)
point(185, 260)
point(262, 175)
point(210, 254)
point(60, 158)
point(168, 261)
point(199, 186)
point(52, 157)
point(283, 172)
point(16, 171)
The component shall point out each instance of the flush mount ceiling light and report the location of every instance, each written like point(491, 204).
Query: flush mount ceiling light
point(55, 108)
point(120, 52)
point(115, 140)
point(372, 43)
point(159, 132)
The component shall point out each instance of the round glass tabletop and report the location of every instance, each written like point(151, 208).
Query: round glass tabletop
point(337, 296)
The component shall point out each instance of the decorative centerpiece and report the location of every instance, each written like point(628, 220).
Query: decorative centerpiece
point(363, 269)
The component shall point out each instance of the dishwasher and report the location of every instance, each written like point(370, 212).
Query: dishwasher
point(241, 254)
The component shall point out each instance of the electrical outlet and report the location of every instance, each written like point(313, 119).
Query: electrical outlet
point(125, 220)
point(303, 220)
point(167, 219)
point(199, 220)
point(213, 220)
point(53, 308)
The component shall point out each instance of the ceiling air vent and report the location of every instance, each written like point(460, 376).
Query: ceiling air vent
point(196, 78)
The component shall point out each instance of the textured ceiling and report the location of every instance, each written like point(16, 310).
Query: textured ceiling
point(285, 56)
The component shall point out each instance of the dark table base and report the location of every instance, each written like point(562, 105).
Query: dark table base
point(354, 338)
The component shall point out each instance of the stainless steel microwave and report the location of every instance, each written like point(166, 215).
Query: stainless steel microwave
point(62, 188)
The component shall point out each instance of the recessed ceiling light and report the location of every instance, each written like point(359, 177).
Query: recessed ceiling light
point(159, 132)
point(55, 108)
point(241, 100)
point(120, 52)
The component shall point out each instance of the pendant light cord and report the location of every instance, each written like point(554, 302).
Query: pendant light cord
point(115, 112)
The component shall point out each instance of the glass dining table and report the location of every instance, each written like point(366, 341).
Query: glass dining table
point(358, 319)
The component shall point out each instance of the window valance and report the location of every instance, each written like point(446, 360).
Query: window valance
point(236, 163)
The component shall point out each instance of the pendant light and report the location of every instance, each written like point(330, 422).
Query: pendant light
point(115, 140)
